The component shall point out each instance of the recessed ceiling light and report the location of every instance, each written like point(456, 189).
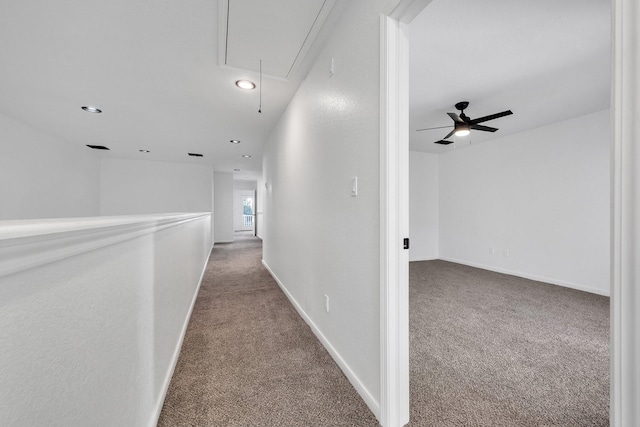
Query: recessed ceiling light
point(97, 147)
point(245, 84)
point(144, 151)
point(235, 141)
point(246, 156)
point(90, 109)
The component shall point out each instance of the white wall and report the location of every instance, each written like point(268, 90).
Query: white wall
point(319, 240)
point(542, 195)
point(140, 187)
point(43, 177)
point(92, 315)
point(244, 185)
point(131, 187)
point(423, 206)
point(223, 207)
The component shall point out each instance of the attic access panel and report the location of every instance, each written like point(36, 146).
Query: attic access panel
point(277, 31)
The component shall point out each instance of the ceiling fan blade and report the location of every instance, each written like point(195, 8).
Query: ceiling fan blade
point(455, 117)
point(484, 128)
point(443, 142)
point(490, 117)
point(439, 127)
point(449, 134)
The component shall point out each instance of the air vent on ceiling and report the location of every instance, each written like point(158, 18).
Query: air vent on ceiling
point(97, 147)
point(195, 155)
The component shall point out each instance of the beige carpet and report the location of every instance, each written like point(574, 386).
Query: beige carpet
point(490, 349)
point(486, 350)
point(248, 359)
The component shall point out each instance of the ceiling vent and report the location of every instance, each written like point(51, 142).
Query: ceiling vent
point(97, 147)
point(195, 154)
point(278, 32)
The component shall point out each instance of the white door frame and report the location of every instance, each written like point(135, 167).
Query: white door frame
point(394, 210)
point(625, 213)
point(394, 261)
point(625, 216)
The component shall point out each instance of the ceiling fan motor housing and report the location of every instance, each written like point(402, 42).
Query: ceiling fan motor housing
point(458, 126)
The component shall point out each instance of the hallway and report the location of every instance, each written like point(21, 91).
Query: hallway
point(248, 359)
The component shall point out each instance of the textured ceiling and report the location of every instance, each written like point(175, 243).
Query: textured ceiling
point(248, 31)
point(153, 67)
point(546, 60)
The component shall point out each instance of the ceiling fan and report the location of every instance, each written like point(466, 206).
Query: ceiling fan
point(462, 124)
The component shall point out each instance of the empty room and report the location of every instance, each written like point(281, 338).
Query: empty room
point(509, 213)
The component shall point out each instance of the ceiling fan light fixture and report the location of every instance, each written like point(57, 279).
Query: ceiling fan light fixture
point(462, 129)
point(462, 124)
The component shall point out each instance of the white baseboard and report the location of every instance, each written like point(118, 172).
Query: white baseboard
point(428, 258)
point(530, 277)
point(176, 353)
point(371, 402)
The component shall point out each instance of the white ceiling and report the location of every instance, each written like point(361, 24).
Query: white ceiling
point(546, 60)
point(154, 67)
point(248, 30)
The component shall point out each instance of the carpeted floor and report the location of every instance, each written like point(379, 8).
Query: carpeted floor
point(248, 359)
point(487, 349)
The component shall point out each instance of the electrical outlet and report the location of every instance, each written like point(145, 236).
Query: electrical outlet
point(326, 302)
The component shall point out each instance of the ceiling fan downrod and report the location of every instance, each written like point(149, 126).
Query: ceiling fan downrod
point(461, 106)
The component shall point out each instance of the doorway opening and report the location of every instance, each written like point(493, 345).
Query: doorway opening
point(506, 205)
point(244, 211)
point(247, 213)
point(395, 97)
